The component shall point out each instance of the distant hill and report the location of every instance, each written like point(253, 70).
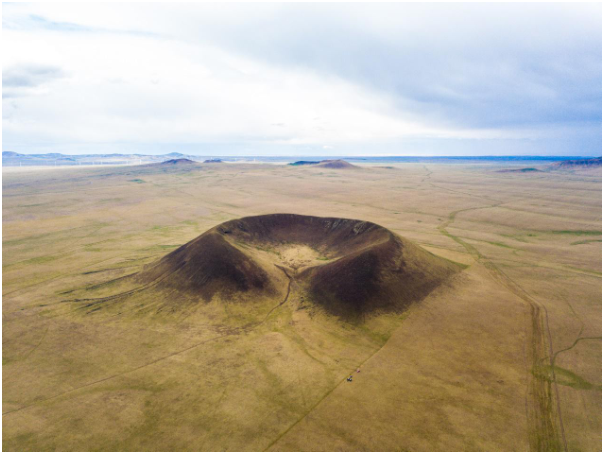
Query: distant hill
point(521, 170)
point(338, 163)
point(305, 162)
point(212, 161)
point(578, 164)
point(11, 158)
point(178, 162)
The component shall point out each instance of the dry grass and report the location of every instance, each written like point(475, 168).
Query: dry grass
point(507, 356)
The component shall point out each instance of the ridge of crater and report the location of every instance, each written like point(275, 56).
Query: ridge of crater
point(348, 267)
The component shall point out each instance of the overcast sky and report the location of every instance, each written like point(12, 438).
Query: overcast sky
point(303, 79)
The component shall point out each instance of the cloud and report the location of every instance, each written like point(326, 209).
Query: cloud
point(29, 76)
point(26, 79)
point(277, 77)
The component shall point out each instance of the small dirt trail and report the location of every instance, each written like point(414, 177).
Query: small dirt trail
point(320, 400)
point(544, 435)
point(541, 413)
point(289, 287)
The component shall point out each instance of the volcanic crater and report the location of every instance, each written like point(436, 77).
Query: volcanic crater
point(348, 267)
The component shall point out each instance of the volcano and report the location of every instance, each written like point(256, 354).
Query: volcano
point(347, 267)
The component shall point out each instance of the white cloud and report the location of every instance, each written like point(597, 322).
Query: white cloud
point(123, 88)
point(133, 73)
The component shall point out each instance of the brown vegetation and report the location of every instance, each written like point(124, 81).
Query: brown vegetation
point(505, 355)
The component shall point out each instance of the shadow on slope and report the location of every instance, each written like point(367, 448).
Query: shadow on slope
point(358, 268)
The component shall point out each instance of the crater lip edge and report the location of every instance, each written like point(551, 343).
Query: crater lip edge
point(359, 266)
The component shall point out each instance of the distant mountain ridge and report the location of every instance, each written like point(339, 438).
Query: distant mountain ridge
point(329, 163)
point(576, 164)
point(12, 158)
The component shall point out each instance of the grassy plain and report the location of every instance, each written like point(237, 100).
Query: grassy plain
point(505, 356)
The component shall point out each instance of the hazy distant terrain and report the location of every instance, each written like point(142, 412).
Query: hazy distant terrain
point(10, 158)
point(99, 354)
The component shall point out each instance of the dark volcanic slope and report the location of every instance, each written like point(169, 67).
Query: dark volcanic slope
point(367, 268)
point(209, 265)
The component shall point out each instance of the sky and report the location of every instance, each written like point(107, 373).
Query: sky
point(303, 79)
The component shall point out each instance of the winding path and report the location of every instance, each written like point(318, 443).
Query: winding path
point(544, 437)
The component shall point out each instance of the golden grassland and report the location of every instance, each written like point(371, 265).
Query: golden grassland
point(505, 356)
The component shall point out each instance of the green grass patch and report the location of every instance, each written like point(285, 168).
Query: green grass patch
point(36, 260)
point(379, 337)
point(161, 247)
point(586, 241)
point(138, 181)
point(578, 232)
point(564, 377)
point(500, 244)
point(30, 205)
point(6, 361)
point(517, 237)
point(41, 259)
point(589, 271)
point(55, 235)
point(268, 250)
point(167, 229)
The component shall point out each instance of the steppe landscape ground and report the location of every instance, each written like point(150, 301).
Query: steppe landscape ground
point(505, 355)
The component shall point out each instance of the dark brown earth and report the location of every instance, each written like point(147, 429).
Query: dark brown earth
point(364, 267)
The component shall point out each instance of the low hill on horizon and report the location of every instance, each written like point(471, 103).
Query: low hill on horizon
point(178, 162)
point(329, 163)
point(578, 164)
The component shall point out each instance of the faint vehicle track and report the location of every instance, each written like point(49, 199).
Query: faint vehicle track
point(329, 392)
point(289, 286)
point(545, 437)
